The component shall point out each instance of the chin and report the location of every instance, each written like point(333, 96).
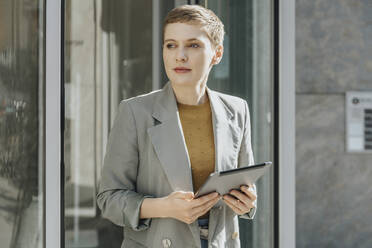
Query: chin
point(178, 81)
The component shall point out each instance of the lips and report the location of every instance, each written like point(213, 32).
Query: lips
point(181, 70)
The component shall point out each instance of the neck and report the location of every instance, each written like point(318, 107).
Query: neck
point(190, 95)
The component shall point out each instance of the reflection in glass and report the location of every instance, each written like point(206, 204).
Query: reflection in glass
point(21, 123)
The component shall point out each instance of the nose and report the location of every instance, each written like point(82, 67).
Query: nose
point(181, 55)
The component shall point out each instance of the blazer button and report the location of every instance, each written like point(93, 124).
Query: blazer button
point(166, 243)
point(234, 235)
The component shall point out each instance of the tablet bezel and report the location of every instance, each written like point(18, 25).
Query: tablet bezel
point(249, 167)
point(231, 171)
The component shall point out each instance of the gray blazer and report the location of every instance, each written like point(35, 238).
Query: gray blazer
point(146, 156)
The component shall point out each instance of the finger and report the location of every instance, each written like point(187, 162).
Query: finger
point(237, 203)
point(208, 208)
point(188, 195)
point(252, 195)
point(200, 210)
point(202, 200)
point(241, 196)
point(183, 194)
point(205, 206)
point(235, 209)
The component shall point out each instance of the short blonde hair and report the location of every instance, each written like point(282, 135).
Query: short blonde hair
point(198, 15)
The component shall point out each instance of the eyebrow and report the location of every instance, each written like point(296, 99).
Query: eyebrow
point(192, 39)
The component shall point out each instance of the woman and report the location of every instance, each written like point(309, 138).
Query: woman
point(163, 145)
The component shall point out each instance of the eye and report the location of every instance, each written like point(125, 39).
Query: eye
point(194, 45)
point(170, 45)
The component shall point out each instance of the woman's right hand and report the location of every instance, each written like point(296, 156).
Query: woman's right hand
point(184, 207)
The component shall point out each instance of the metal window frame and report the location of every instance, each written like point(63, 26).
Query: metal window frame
point(285, 202)
point(156, 44)
point(53, 125)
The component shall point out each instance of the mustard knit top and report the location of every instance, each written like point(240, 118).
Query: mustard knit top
point(197, 128)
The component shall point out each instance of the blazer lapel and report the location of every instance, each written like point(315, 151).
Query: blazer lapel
point(222, 128)
point(225, 139)
point(168, 141)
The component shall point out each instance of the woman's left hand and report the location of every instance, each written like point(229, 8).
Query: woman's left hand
point(244, 200)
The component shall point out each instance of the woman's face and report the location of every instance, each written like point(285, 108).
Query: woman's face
point(188, 54)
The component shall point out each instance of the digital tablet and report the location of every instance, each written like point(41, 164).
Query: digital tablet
point(224, 181)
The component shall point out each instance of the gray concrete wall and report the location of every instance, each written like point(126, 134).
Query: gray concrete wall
point(333, 187)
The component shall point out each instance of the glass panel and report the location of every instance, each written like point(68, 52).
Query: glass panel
point(246, 71)
point(21, 123)
point(108, 57)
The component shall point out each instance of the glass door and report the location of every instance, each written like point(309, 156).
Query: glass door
point(113, 52)
point(110, 54)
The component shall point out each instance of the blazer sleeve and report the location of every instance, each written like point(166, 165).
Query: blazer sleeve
point(246, 155)
point(117, 197)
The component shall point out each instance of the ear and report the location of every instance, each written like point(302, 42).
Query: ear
point(217, 55)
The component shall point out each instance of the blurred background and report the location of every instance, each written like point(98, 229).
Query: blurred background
point(112, 51)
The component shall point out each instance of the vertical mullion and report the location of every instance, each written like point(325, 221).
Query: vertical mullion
point(41, 122)
point(287, 191)
point(156, 32)
point(53, 124)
